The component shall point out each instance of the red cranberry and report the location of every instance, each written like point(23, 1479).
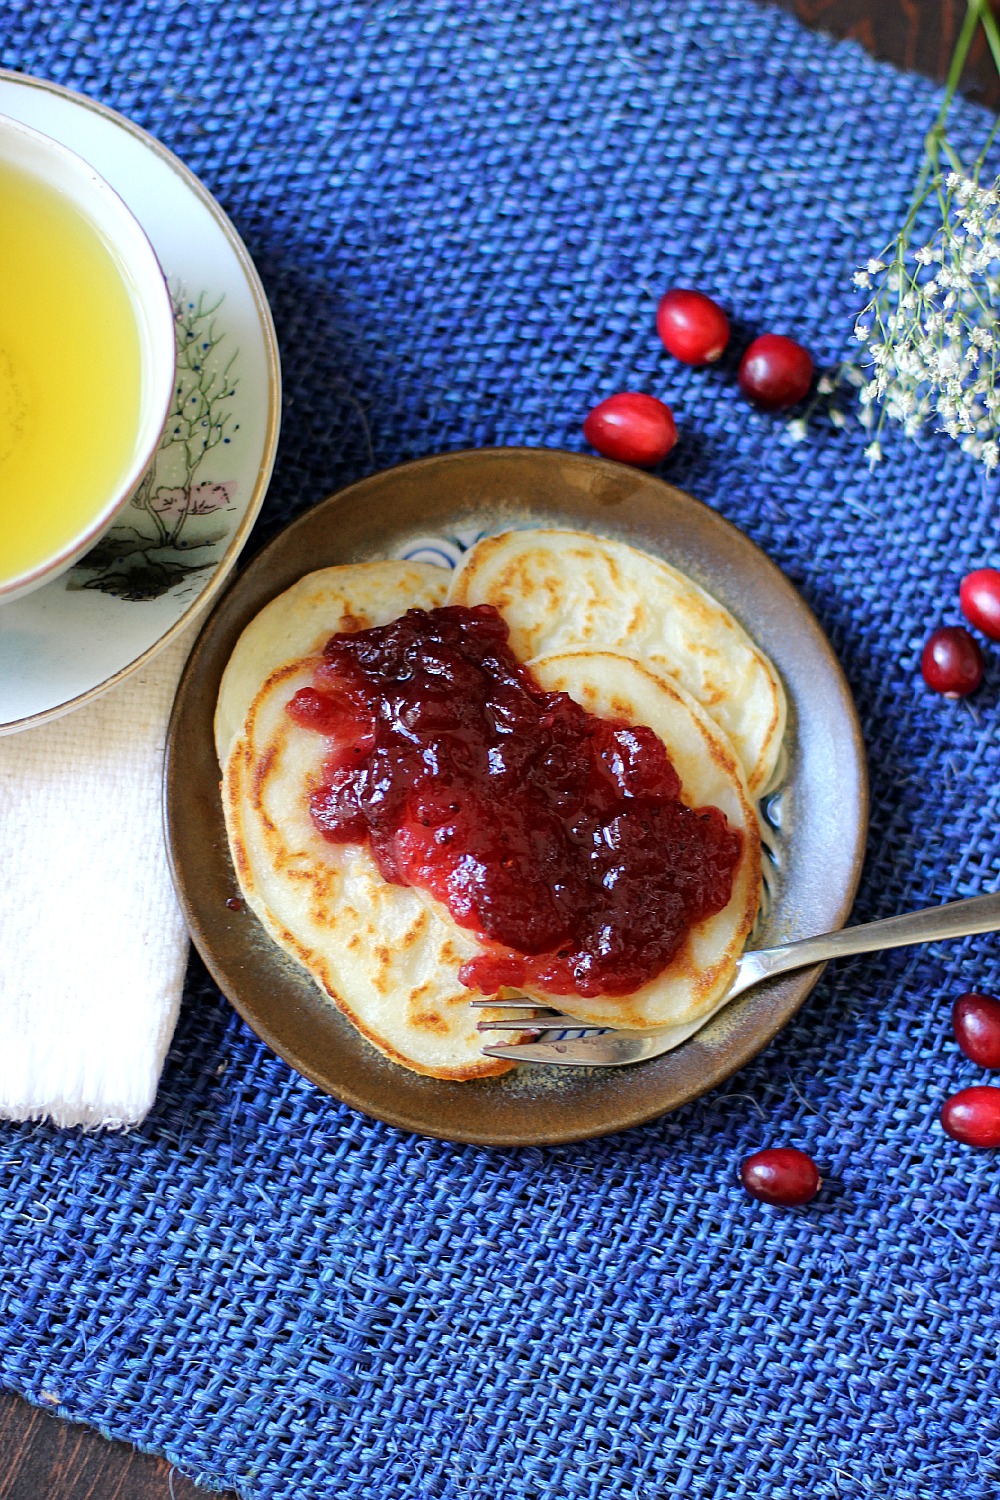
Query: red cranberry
point(782, 1175)
point(979, 596)
point(632, 427)
point(972, 1116)
point(234, 903)
point(952, 662)
point(775, 372)
point(693, 327)
point(976, 1019)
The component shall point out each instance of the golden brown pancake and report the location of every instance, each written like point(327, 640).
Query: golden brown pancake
point(618, 687)
point(384, 954)
point(298, 622)
point(389, 955)
point(568, 590)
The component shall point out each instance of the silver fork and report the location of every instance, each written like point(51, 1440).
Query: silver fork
point(603, 1047)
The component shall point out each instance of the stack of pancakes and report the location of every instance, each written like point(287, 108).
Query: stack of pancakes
point(627, 637)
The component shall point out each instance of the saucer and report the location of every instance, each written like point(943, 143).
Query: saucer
point(171, 549)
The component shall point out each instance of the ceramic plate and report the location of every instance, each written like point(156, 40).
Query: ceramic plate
point(171, 548)
point(433, 509)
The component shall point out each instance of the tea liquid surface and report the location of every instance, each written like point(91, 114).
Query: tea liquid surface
point(70, 373)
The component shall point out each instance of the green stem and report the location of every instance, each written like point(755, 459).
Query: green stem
point(934, 140)
point(992, 31)
point(977, 10)
point(993, 39)
point(980, 160)
point(953, 156)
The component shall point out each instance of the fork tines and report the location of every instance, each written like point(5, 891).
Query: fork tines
point(539, 1020)
point(519, 1002)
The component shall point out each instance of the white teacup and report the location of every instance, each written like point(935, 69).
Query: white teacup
point(60, 171)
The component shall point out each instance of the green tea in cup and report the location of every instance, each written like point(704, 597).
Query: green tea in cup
point(82, 400)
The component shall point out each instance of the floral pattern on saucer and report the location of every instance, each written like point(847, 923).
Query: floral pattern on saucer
point(164, 534)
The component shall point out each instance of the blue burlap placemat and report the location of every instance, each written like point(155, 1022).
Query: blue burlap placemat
point(463, 216)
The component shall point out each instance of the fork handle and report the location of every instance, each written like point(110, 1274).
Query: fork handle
point(957, 919)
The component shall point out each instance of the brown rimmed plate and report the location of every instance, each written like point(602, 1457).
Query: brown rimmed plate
point(433, 508)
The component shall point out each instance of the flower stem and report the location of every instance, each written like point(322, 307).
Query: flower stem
point(978, 12)
point(934, 140)
point(931, 325)
point(992, 32)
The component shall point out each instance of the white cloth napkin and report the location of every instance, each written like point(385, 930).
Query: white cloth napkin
point(92, 945)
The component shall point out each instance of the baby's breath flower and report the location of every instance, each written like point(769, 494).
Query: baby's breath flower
point(933, 341)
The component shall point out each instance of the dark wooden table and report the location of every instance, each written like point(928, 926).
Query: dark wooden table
point(42, 1458)
point(917, 34)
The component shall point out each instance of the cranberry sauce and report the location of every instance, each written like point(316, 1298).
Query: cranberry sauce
point(558, 837)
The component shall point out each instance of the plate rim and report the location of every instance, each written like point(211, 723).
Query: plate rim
point(273, 363)
point(400, 1118)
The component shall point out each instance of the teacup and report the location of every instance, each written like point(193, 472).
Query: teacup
point(87, 357)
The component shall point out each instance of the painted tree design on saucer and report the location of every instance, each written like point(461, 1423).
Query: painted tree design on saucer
point(178, 521)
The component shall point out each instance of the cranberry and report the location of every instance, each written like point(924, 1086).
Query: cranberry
point(693, 327)
point(979, 596)
point(952, 662)
point(234, 903)
point(972, 1116)
point(775, 372)
point(781, 1175)
point(976, 1019)
point(632, 427)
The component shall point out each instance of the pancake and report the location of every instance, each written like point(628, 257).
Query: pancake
point(568, 590)
point(299, 621)
point(691, 986)
point(389, 955)
point(384, 954)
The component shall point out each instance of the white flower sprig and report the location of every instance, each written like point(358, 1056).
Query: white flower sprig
point(932, 326)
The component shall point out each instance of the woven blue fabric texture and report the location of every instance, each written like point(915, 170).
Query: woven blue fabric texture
point(463, 215)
